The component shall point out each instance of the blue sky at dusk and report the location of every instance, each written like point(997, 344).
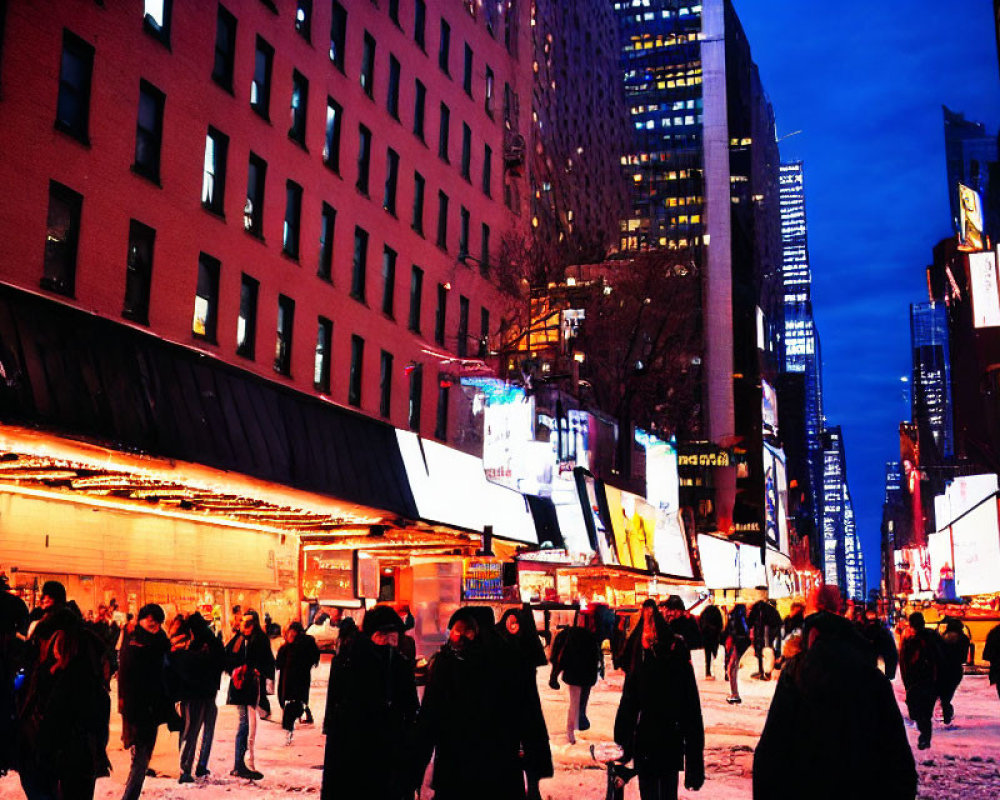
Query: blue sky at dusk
point(864, 82)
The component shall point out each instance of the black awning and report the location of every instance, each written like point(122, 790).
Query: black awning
point(543, 511)
point(85, 376)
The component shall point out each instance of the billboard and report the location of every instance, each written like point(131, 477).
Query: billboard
point(769, 408)
point(975, 533)
point(970, 219)
point(985, 295)
point(730, 565)
point(775, 498)
point(780, 574)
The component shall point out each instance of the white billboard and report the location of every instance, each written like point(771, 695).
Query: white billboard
point(985, 295)
point(975, 533)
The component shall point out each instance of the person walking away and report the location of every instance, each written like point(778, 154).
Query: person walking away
point(295, 661)
point(955, 652)
point(63, 708)
point(834, 729)
point(710, 623)
point(142, 693)
point(13, 628)
point(920, 663)
point(371, 708)
point(991, 653)
point(659, 724)
point(879, 640)
point(576, 655)
point(197, 666)
point(477, 720)
point(250, 664)
point(759, 622)
point(736, 639)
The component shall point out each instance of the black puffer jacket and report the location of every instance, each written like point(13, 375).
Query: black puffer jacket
point(295, 661)
point(250, 662)
point(197, 670)
point(143, 699)
point(576, 654)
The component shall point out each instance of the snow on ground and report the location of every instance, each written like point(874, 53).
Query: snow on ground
point(963, 762)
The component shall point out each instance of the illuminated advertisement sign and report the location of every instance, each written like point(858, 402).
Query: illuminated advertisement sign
point(662, 482)
point(970, 219)
point(730, 565)
point(972, 511)
point(985, 295)
point(508, 429)
point(775, 498)
point(769, 408)
point(482, 579)
point(596, 516)
point(703, 454)
point(780, 574)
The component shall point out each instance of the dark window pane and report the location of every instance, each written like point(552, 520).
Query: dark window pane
point(260, 88)
point(338, 35)
point(385, 385)
point(359, 269)
point(488, 92)
point(303, 18)
point(149, 131)
point(444, 48)
point(364, 158)
point(419, 186)
point(442, 227)
point(138, 272)
point(391, 180)
point(62, 238)
point(419, 104)
point(487, 169)
point(73, 107)
point(420, 22)
point(299, 107)
point(293, 214)
point(467, 71)
point(253, 209)
point(321, 364)
point(388, 280)
point(368, 65)
point(416, 298)
point(441, 430)
point(416, 374)
point(443, 132)
point(392, 97)
point(463, 232)
point(394, 11)
point(283, 338)
point(441, 313)
point(225, 49)
point(246, 324)
point(484, 255)
point(206, 299)
point(466, 152)
point(463, 327)
point(484, 332)
point(357, 368)
point(327, 227)
point(331, 145)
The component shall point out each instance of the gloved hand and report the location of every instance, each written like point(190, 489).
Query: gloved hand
point(553, 682)
point(694, 781)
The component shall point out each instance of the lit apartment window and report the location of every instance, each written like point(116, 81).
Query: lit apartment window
point(385, 384)
point(388, 281)
point(331, 144)
point(260, 88)
point(62, 236)
point(364, 158)
point(246, 324)
point(206, 299)
point(283, 337)
point(467, 71)
point(416, 374)
point(359, 270)
point(462, 347)
point(420, 23)
point(213, 180)
point(444, 48)
point(441, 429)
point(488, 94)
point(419, 106)
point(338, 35)
point(419, 186)
point(253, 209)
point(357, 368)
point(156, 18)
point(442, 227)
point(368, 65)
point(293, 216)
point(75, 71)
point(466, 165)
point(299, 108)
point(463, 232)
point(138, 272)
point(441, 313)
point(225, 50)
point(149, 131)
point(321, 364)
point(445, 123)
point(487, 170)
point(392, 96)
point(391, 180)
point(327, 227)
point(416, 298)
point(303, 18)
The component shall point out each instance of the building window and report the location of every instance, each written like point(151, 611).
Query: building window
point(75, 71)
point(443, 133)
point(156, 19)
point(508, 106)
point(419, 105)
point(62, 238)
point(463, 232)
point(359, 269)
point(293, 216)
point(283, 337)
point(225, 50)
point(416, 374)
point(488, 94)
point(487, 170)
point(327, 227)
point(416, 298)
point(303, 18)
point(392, 97)
point(331, 145)
point(368, 65)
point(260, 89)
point(246, 324)
point(441, 429)
point(484, 253)
point(213, 180)
point(338, 35)
point(484, 332)
point(364, 158)
point(149, 131)
point(467, 71)
point(253, 210)
point(419, 185)
point(440, 315)
point(138, 272)
point(391, 179)
point(385, 385)
point(394, 11)
point(206, 298)
point(462, 347)
point(466, 165)
point(357, 367)
point(442, 229)
point(388, 281)
point(299, 109)
point(321, 364)
point(444, 48)
point(420, 23)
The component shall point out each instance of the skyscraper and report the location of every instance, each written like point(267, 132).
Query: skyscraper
point(969, 152)
point(842, 562)
point(931, 399)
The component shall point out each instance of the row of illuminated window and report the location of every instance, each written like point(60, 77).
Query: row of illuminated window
point(638, 240)
point(692, 200)
point(668, 122)
point(676, 105)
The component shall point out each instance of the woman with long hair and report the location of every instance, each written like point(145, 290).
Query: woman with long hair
point(737, 640)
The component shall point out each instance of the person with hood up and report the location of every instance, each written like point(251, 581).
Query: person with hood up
point(954, 652)
point(736, 639)
point(250, 663)
point(371, 708)
point(659, 724)
point(477, 719)
point(834, 725)
point(921, 666)
point(576, 655)
point(710, 623)
point(295, 661)
point(143, 699)
point(879, 640)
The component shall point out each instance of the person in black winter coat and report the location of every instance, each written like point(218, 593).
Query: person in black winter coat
point(63, 708)
point(477, 719)
point(680, 622)
point(13, 628)
point(991, 653)
point(954, 652)
point(880, 641)
point(920, 663)
point(659, 724)
point(250, 663)
point(736, 639)
point(295, 661)
point(834, 729)
point(576, 655)
point(710, 623)
point(765, 626)
point(371, 708)
point(143, 699)
point(196, 666)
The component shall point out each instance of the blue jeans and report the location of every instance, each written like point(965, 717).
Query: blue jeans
point(246, 733)
point(142, 752)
